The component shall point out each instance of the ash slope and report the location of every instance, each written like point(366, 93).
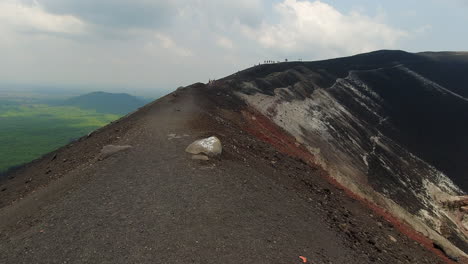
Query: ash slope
point(422, 96)
point(389, 125)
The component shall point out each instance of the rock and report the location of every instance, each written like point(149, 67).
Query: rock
point(464, 209)
point(175, 136)
point(392, 238)
point(447, 251)
point(200, 157)
point(110, 150)
point(210, 146)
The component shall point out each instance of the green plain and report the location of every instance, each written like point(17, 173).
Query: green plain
point(28, 131)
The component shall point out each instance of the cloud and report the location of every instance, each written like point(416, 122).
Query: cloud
point(423, 29)
point(114, 13)
point(224, 42)
point(462, 2)
point(154, 13)
point(166, 43)
point(305, 26)
point(23, 17)
point(221, 13)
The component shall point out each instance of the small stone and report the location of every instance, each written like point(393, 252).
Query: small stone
point(392, 238)
point(200, 157)
point(110, 150)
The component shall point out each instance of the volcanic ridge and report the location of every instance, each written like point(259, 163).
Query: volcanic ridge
point(351, 160)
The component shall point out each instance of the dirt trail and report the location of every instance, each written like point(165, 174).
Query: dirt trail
point(153, 204)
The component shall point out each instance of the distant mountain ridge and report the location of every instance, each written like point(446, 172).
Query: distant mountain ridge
point(112, 103)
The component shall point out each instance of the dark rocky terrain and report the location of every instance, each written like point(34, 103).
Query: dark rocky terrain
point(350, 160)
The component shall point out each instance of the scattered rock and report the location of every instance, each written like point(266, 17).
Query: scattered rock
point(210, 146)
point(371, 241)
point(200, 157)
point(392, 238)
point(464, 209)
point(175, 136)
point(447, 252)
point(110, 150)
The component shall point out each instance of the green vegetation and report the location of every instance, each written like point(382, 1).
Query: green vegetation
point(28, 131)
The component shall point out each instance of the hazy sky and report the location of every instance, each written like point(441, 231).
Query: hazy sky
point(156, 44)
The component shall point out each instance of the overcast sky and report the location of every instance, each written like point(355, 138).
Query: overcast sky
point(155, 44)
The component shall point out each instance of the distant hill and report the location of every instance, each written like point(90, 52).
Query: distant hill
point(103, 102)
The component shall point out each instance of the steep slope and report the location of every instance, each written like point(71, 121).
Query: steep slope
point(303, 143)
point(388, 133)
point(103, 102)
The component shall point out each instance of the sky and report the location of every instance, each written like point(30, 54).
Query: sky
point(161, 45)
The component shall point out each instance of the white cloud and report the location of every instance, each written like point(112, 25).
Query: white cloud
point(162, 41)
point(316, 26)
point(21, 17)
point(423, 29)
point(224, 42)
point(222, 13)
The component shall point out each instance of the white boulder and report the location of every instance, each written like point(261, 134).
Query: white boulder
point(209, 146)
